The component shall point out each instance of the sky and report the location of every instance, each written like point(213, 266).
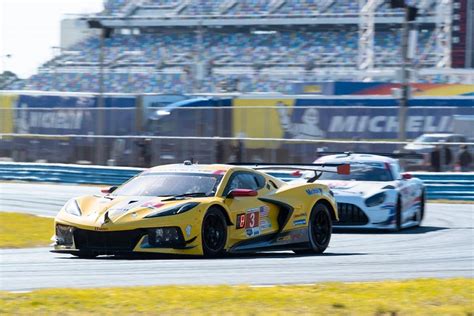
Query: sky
point(30, 28)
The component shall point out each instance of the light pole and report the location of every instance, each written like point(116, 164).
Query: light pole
point(105, 32)
point(402, 113)
point(410, 14)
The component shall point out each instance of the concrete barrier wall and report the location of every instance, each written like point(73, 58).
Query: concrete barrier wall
point(445, 185)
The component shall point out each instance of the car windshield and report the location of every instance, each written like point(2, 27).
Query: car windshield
point(428, 139)
point(362, 172)
point(170, 184)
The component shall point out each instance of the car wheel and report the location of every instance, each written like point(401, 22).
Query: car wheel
point(422, 209)
point(213, 233)
point(398, 215)
point(319, 230)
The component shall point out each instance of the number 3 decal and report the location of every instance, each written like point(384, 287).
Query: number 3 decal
point(249, 220)
point(252, 220)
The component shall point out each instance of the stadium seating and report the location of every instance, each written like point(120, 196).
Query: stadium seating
point(254, 7)
point(165, 59)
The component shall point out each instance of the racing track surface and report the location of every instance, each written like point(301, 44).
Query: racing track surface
point(442, 247)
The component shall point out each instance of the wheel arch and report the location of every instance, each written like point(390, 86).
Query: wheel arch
point(223, 211)
point(330, 207)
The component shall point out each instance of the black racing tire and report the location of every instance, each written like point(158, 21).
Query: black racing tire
point(398, 215)
point(213, 233)
point(84, 254)
point(319, 230)
point(422, 208)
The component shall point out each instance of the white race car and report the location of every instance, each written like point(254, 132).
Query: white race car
point(375, 194)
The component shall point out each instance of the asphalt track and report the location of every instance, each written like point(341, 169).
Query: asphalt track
point(442, 247)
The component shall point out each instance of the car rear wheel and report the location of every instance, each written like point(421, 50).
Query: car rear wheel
point(398, 215)
point(213, 233)
point(319, 230)
point(422, 209)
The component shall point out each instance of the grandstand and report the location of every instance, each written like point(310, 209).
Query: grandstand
point(178, 46)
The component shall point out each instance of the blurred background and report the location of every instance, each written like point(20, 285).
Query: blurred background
point(148, 82)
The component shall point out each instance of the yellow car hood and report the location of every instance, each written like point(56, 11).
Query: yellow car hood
point(124, 208)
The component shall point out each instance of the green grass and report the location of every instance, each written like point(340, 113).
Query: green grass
point(23, 230)
point(414, 297)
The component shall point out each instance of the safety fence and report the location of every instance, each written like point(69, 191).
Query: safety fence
point(445, 185)
point(122, 133)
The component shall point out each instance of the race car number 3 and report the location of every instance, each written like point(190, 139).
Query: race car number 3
point(249, 220)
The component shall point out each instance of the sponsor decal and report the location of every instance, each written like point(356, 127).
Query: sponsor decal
point(248, 220)
point(388, 206)
point(313, 191)
point(240, 223)
point(188, 230)
point(100, 228)
point(299, 222)
point(389, 124)
point(264, 211)
point(254, 220)
point(253, 217)
point(300, 215)
point(265, 224)
point(253, 231)
point(122, 208)
point(152, 205)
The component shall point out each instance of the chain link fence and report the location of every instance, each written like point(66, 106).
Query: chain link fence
point(272, 134)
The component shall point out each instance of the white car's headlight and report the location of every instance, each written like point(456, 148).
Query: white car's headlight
point(375, 200)
point(72, 208)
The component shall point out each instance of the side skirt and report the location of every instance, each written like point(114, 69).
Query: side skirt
point(296, 238)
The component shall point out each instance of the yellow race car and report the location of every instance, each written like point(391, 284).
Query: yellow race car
point(191, 209)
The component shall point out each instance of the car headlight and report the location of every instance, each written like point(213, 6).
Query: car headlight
point(72, 208)
point(175, 210)
point(376, 199)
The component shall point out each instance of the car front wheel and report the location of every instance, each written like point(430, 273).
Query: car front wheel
point(214, 233)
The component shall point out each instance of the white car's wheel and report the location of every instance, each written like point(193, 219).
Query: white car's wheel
point(421, 212)
point(398, 215)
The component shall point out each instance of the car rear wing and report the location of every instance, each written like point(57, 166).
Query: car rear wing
point(317, 168)
point(396, 155)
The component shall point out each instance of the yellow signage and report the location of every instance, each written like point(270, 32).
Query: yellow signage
point(260, 118)
point(7, 102)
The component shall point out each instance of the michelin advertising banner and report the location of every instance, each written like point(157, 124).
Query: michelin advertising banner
point(298, 119)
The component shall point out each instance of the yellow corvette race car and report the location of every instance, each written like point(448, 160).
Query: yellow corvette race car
point(191, 209)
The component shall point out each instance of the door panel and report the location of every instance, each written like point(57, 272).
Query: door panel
point(251, 217)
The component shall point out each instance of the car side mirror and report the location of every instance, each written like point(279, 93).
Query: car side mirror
point(241, 192)
point(108, 190)
point(406, 176)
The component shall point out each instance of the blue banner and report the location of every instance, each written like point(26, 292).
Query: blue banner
point(72, 115)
